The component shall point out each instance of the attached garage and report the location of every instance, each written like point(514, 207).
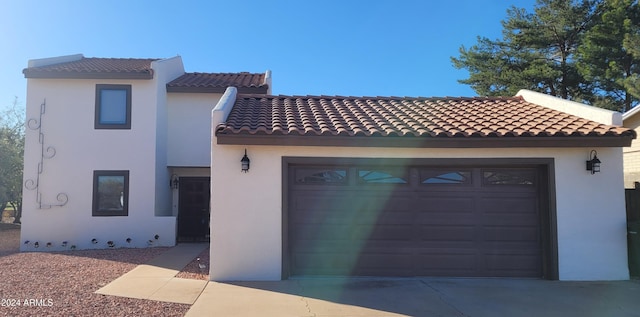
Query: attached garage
point(396, 218)
point(399, 187)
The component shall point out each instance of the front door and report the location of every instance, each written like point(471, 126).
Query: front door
point(193, 209)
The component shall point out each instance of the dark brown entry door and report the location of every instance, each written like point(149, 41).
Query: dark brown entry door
point(193, 209)
point(415, 221)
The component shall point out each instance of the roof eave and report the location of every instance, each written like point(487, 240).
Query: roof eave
point(418, 142)
point(87, 75)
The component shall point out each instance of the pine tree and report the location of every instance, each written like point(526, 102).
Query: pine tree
point(537, 52)
point(604, 59)
point(632, 45)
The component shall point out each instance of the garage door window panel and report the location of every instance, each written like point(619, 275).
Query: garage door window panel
point(319, 176)
point(525, 177)
point(449, 177)
point(383, 176)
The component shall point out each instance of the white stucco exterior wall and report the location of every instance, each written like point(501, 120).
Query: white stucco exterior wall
point(591, 217)
point(189, 128)
point(165, 70)
point(68, 125)
point(246, 214)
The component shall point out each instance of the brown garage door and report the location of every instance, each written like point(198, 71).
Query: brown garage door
point(414, 221)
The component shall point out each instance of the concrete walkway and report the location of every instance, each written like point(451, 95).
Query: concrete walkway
point(156, 280)
point(336, 297)
point(374, 297)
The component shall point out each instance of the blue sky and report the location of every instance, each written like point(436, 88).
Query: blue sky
point(325, 47)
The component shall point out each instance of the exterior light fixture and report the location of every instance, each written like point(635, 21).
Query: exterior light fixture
point(174, 182)
point(245, 162)
point(593, 164)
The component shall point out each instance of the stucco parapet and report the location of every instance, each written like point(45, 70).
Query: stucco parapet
point(54, 60)
point(224, 106)
point(578, 109)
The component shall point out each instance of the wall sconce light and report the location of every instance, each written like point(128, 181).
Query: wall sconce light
point(593, 164)
point(245, 162)
point(174, 181)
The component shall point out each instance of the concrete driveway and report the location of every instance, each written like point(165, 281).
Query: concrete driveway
point(419, 297)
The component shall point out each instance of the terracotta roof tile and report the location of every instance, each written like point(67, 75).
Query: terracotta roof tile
point(218, 82)
point(447, 117)
point(92, 67)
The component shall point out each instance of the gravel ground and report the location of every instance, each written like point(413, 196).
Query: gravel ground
point(63, 283)
point(193, 270)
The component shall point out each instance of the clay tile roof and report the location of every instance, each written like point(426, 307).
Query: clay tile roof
point(419, 119)
point(218, 82)
point(95, 68)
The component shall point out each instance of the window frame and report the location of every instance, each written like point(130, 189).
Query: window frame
point(98, 106)
point(95, 211)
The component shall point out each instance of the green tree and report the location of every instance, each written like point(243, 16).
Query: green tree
point(11, 158)
point(632, 45)
point(606, 57)
point(536, 51)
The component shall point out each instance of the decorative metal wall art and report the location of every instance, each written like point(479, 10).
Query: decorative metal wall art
point(46, 152)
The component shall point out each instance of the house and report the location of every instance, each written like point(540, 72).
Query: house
point(416, 186)
point(631, 154)
point(330, 185)
point(107, 142)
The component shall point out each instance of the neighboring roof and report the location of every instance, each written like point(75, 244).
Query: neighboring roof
point(410, 122)
point(95, 68)
point(249, 83)
point(630, 113)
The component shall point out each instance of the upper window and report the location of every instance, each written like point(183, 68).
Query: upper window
point(113, 107)
point(110, 193)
